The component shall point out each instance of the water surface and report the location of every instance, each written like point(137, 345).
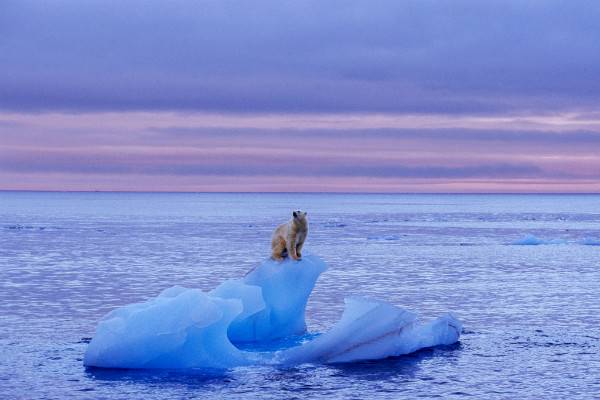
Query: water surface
point(531, 313)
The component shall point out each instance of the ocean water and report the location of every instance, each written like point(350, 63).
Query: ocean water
point(531, 313)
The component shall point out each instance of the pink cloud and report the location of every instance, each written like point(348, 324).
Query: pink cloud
point(210, 152)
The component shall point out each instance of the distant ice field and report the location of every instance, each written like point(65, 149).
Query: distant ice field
point(531, 313)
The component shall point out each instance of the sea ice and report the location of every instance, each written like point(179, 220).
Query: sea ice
point(370, 330)
point(187, 328)
point(530, 240)
point(285, 288)
point(590, 241)
point(181, 328)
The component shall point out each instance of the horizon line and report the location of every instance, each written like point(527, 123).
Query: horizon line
point(298, 192)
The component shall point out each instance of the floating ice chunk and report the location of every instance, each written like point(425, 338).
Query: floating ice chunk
point(285, 287)
point(371, 330)
point(181, 328)
point(187, 328)
point(385, 237)
point(530, 240)
point(589, 241)
point(357, 336)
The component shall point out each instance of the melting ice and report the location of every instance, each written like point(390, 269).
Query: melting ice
point(187, 328)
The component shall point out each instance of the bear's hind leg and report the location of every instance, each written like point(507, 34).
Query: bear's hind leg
point(279, 250)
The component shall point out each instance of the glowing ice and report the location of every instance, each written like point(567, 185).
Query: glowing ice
point(181, 328)
point(371, 330)
point(530, 240)
point(285, 288)
point(589, 241)
point(187, 328)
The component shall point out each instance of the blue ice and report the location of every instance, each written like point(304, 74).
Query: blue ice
point(181, 328)
point(531, 240)
point(188, 328)
point(371, 329)
point(590, 241)
point(280, 293)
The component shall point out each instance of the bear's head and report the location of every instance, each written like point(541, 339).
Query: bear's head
point(299, 216)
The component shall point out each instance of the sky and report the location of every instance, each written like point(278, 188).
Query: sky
point(340, 96)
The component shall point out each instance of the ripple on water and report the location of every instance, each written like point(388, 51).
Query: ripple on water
point(531, 313)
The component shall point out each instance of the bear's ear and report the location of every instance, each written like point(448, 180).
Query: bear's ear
point(305, 213)
point(295, 214)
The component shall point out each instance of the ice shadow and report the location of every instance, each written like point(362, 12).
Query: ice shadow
point(392, 367)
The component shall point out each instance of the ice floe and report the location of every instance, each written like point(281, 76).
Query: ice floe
point(589, 241)
point(371, 329)
point(188, 328)
point(531, 240)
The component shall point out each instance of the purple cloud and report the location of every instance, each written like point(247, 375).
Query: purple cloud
point(464, 57)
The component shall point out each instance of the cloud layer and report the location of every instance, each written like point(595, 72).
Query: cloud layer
point(137, 151)
point(459, 57)
point(417, 95)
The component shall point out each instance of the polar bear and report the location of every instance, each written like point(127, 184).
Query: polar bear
point(289, 238)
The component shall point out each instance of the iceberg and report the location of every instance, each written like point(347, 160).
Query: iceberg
point(284, 288)
point(590, 241)
point(531, 240)
point(188, 328)
point(181, 328)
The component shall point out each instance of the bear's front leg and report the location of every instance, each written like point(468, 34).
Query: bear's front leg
point(299, 250)
point(291, 247)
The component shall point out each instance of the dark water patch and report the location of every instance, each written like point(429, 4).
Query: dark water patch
point(23, 227)
point(190, 376)
point(30, 228)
